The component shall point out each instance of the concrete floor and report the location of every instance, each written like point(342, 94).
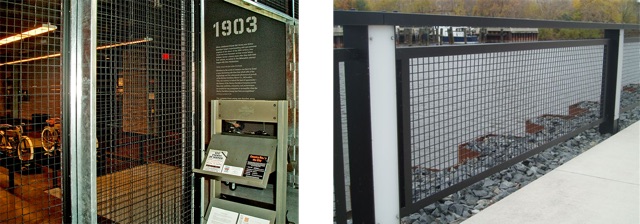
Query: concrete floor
point(599, 186)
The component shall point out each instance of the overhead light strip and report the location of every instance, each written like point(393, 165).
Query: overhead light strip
point(147, 39)
point(45, 28)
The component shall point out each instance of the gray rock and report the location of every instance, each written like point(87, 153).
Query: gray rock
point(506, 184)
point(430, 207)
point(436, 213)
point(443, 207)
point(414, 216)
point(487, 183)
point(480, 193)
point(426, 219)
point(517, 177)
point(521, 167)
point(448, 203)
point(533, 169)
point(449, 218)
point(457, 209)
point(470, 199)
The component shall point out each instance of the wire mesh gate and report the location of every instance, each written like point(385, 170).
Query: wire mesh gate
point(30, 94)
point(145, 108)
point(144, 111)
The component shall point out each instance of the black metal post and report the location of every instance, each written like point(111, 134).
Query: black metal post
point(404, 139)
point(66, 111)
point(359, 126)
point(609, 82)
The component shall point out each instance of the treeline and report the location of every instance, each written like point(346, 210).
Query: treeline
point(606, 11)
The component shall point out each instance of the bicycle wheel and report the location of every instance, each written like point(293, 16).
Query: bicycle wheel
point(25, 149)
point(49, 139)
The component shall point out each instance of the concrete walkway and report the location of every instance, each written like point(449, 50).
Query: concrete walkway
point(599, 186)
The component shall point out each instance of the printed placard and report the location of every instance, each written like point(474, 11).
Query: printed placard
point(256, 166)
point(215, 161)
point(221, 216)
point(247, 219)
point(232, 170)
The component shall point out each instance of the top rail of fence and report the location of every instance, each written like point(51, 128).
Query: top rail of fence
point(360, 18)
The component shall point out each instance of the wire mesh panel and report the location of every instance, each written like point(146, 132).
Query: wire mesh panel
point(145, 104)
point(343, 152)
point(471, 112)
point(30, 94)
point(630, 95)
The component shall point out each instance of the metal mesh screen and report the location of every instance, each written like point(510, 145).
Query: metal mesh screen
point(30, 93)
point(345, 139)
point(471, 112)
point(144, 111)
point(630, 74)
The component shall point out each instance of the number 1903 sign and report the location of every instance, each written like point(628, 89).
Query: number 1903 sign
point(238, 26)
point(245, 53)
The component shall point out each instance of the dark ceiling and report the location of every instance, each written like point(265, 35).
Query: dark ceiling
point(17, 16)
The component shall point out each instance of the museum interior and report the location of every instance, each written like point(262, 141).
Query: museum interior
point(149, 117)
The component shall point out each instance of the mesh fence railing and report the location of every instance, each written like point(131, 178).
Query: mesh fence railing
point(144, 111)
point(630, 95)
point(471, 112)
point(467, 112)
point(30, 94)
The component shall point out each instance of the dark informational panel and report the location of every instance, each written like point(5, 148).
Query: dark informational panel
point(245, 54)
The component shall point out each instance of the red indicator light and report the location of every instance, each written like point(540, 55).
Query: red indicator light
point(165, 56)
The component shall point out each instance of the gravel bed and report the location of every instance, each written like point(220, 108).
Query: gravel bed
point(463, 204)
point(630, 95)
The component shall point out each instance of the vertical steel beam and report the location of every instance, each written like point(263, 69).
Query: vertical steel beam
point(201, 109)
point(81, 130)
point(359, 126)
point(281, 162)
point(611, 81)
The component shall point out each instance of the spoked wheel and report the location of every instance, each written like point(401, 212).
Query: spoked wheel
point(25, 149)
point(49, 139)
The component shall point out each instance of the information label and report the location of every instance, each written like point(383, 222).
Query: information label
point(245, 54)
point(215, 161)
point(221, 216)
point(256, 166)
point(232, 170)
point(246, 219)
